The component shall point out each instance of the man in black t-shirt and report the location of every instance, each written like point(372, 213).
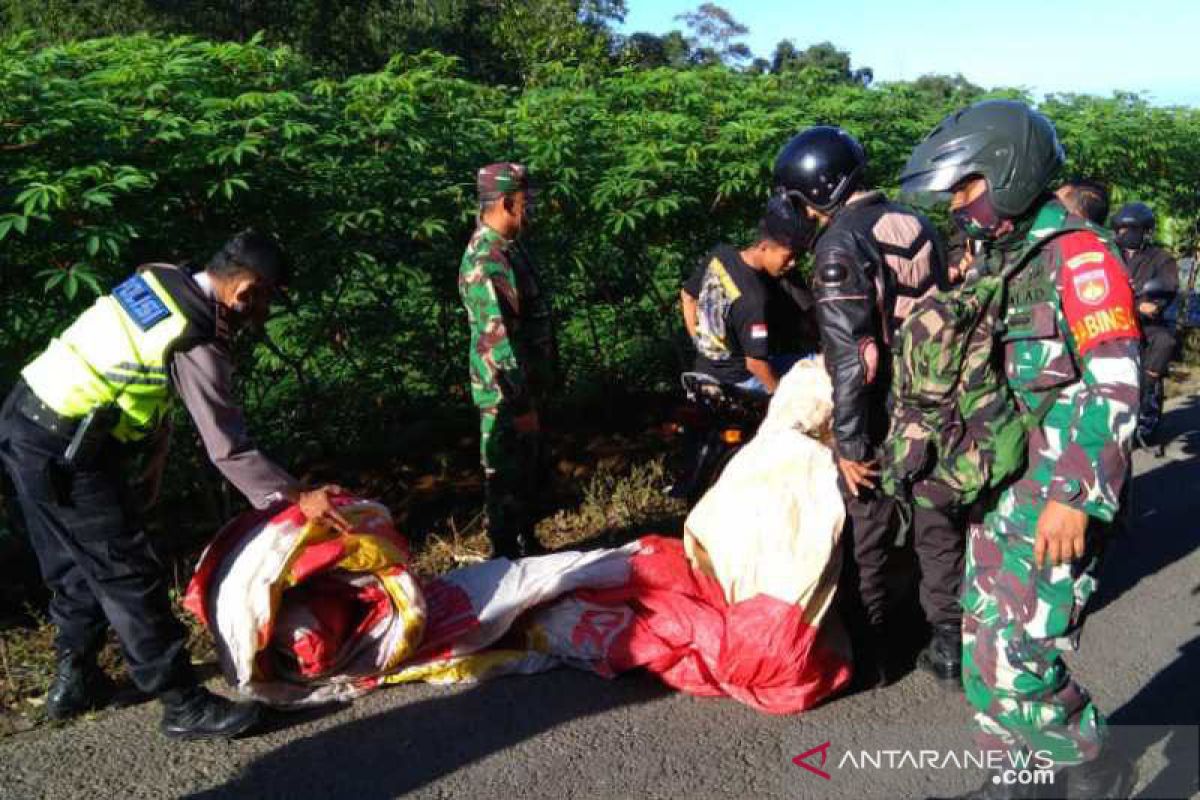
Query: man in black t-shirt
point(724, 302)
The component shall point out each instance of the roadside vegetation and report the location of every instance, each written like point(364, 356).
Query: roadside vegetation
point(355, 138)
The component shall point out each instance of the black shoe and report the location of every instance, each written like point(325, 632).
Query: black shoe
point(1108, 775)
point(79, 685)
point(524, 545)
point(529, 546)
point(943, 657)
point(872, 663)
point(994, 788)
point(197, 713)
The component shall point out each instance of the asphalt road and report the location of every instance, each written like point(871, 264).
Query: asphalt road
point(568, 734)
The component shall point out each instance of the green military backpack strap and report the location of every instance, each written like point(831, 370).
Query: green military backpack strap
point(957, 433)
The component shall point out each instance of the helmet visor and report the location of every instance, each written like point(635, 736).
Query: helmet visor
point(932, 187)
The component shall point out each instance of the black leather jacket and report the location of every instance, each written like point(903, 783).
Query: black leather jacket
point(871, 264)
point(1147, 264)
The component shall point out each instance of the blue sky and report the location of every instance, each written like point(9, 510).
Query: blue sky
point(1091, 47)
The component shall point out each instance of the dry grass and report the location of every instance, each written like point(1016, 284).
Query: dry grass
point(616, 504)
point(620, 499)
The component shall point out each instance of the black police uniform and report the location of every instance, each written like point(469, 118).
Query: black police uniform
point(84, 522)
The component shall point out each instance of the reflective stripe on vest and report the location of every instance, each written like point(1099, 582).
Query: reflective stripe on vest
point(106, 357)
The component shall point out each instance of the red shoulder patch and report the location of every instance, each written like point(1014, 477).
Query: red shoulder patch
point(1097, 299)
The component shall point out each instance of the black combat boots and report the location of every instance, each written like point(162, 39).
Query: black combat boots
point(873, 661)
point(79, 685)
point(994, 788)
point(1109, 775)
point(197, 713)
point(943, 657)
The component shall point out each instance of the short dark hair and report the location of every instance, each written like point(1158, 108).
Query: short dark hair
point(1091, 197)
point(784, 224)
point(254, 253)
point(768, 234)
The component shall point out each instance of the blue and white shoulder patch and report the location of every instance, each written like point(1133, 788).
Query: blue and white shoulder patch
point(141, 303)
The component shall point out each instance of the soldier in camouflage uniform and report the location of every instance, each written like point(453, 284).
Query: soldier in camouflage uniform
point(1071, 348)
point(512, 357)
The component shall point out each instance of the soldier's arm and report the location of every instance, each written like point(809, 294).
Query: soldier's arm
point(1104, 330)
point(492, 279)
point(845, 313)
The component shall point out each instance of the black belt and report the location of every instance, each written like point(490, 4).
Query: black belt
point(30, 406)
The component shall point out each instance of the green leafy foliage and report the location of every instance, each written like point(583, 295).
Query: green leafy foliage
point(124, 150)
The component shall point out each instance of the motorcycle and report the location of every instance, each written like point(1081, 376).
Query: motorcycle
point(713, 424)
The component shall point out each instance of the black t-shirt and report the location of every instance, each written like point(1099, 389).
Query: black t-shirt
point(731, 315)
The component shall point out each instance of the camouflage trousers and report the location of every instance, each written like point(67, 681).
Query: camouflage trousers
point(1018, 620)
point(511, 469)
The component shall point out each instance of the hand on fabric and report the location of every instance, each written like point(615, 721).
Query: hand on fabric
point(1060, 534)
point(858, 474)
point(1147, 309)
point(527, 423)
point(317, 504)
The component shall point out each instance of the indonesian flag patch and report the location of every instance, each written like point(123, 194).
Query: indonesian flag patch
point(758, 330)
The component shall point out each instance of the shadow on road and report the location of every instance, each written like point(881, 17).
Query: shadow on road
point(401, 750)
point(1171, 698)
point(1165, 508)
point(1162, 530)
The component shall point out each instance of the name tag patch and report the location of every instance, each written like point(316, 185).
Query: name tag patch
point(141, 303)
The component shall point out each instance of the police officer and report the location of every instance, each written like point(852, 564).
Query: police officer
point(1155, 278)
point(872, 260)
point(72, 430)
point(513, 355)
point(1071, 353)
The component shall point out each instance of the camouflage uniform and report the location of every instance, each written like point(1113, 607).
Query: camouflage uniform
point(1070, 330)
point(512, 360)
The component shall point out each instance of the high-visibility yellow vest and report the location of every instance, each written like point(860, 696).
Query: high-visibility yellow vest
point(115, 353)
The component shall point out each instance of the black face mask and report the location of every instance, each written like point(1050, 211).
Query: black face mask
point(1130, 238)
point(978, 218)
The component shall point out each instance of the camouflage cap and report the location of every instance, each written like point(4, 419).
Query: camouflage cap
point(496, 180)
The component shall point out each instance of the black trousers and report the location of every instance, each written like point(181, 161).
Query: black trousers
point(939, 539)
point(93, 554)
point(1157, 349)
point(867, 539)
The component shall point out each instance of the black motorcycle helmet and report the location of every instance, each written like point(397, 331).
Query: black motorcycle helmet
point(1014, 147)
point(1157, 291)
point(1134, 215)
point(821, 167)
point(1133, 223)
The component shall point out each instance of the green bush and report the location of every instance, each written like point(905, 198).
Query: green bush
point(122, 150)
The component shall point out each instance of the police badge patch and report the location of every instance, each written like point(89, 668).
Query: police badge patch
point(140, 302)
